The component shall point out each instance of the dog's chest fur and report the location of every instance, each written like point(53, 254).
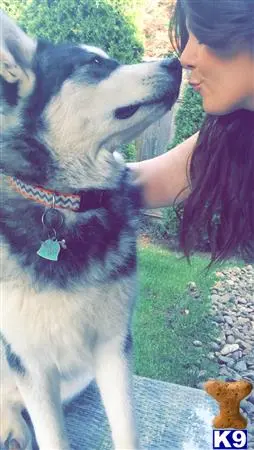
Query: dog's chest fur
point(63, 326)
point(55, 313)
point(55, 328)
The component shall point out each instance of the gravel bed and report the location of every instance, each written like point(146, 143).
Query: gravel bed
point(232, 312)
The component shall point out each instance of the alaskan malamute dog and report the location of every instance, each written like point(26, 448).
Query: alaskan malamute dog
point(68, 230)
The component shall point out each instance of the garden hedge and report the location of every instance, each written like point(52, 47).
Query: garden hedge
point(109, 24)
point(188, 120)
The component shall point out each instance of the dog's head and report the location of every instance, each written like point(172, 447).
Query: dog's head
point(75, 99)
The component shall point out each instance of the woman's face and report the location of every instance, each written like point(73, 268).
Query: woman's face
point(226, 84)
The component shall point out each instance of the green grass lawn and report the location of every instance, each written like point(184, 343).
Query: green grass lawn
point(167, 319)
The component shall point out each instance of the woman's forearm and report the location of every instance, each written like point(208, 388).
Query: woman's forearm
point(163, 177)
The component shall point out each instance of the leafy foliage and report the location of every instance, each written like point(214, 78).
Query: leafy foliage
point(189, 116)
point(109, 24)
point(188, 121)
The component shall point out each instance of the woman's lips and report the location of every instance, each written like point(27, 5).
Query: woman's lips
point(196, 87)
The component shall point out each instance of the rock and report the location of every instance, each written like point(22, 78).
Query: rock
point(224, 359)
point(250, 363)
point(231, 363)
point(249, 375)
point(243, 344)
point(250, 441)
point(237, 355)
point(214, 346)
point(242, 320)
point(240, 366)
point(247, 407)
point(197, 343)
point(226, 298)
point(229, 320)
point(215, 298)
point(251, 398)
point(251, 430)
point(230, 339)
point(229, 348)
point(218, 318)
point(233, 375)
point(220, 275)
point(241, 301)
point(236, 332)
point(224, 371)
point(228, 331)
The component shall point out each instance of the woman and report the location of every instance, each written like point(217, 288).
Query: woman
point(212, 172)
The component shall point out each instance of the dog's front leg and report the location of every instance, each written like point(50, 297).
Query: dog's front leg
point(114, 378)
point(40, 390)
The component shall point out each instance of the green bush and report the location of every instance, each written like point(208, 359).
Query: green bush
point(13, 7)
point(129, 151)
point(189, 116)
point(109, 24)
point(188, 121)
point(169, 222)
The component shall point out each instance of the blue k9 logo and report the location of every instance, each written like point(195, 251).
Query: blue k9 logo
point(230, 439)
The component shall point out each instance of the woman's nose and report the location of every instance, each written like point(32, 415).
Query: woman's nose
point(189, 56)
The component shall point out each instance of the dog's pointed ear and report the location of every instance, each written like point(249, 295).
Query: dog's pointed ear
point(16, 54)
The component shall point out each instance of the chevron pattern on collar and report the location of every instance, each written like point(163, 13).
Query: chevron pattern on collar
point(46, 196)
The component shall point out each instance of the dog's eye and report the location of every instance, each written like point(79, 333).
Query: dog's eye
point(96, 60)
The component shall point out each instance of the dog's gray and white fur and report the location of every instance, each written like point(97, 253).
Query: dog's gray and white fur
point(65, 109)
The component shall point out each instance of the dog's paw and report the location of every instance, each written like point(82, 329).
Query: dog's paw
point(14, 432)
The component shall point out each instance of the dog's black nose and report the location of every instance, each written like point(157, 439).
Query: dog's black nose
point(174, 67)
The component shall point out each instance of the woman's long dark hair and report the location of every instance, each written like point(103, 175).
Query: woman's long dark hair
point(221, 202)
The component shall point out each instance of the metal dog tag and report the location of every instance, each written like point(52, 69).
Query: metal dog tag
point(49, 249)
